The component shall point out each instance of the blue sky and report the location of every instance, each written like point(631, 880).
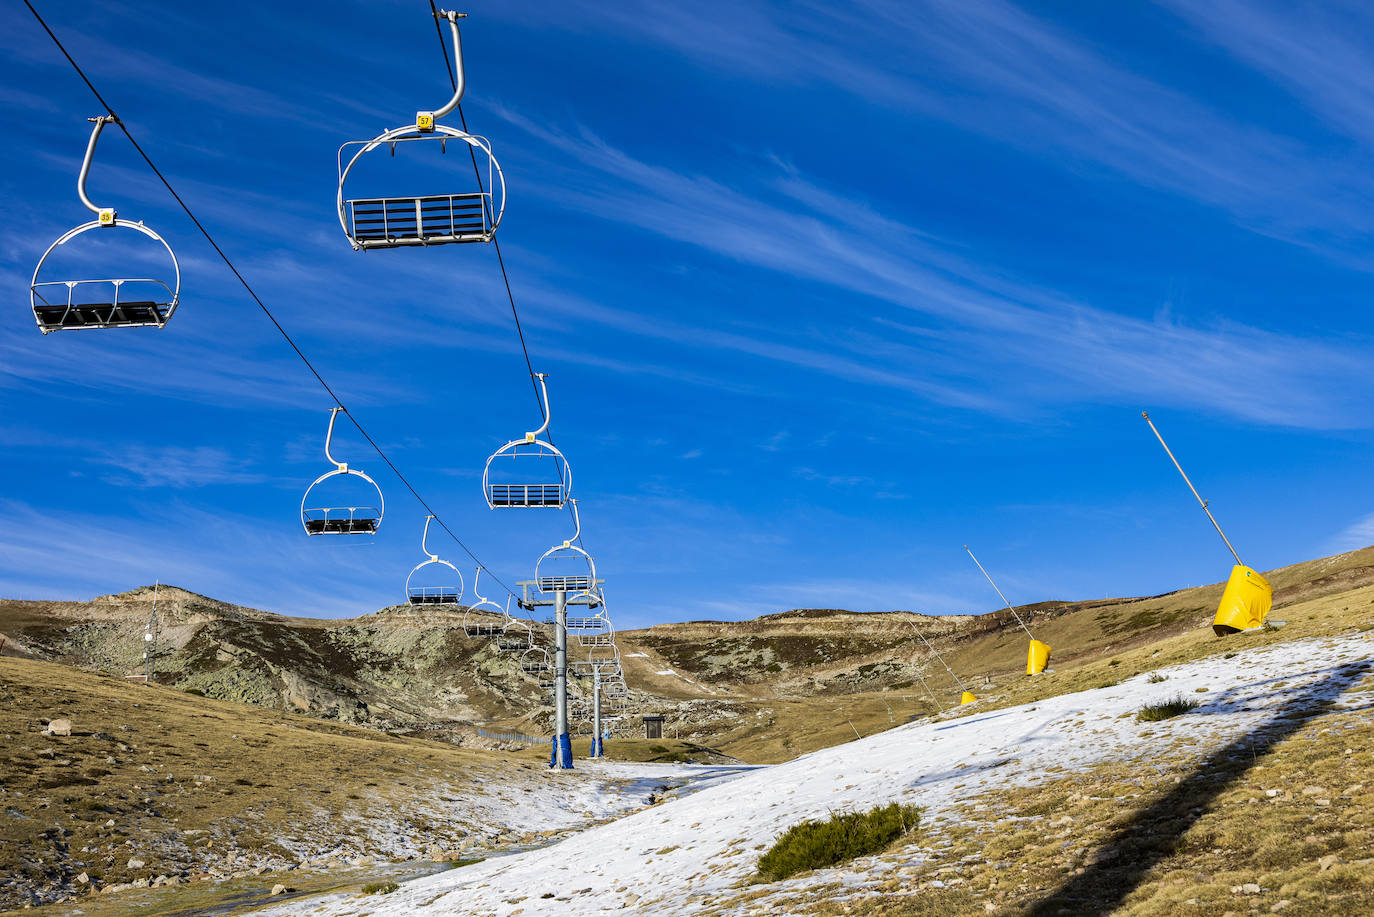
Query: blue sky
point(825, 292)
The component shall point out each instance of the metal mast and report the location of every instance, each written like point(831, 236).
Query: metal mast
point(1186, 480)
point(1003, 597)
point(957, 681)
point(150, 639)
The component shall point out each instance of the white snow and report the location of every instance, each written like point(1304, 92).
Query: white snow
point(677, 857)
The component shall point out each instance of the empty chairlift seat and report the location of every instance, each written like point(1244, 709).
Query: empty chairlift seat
point(432, 219)
point(529, 472)
point(116, 302)
point(441, 585)
point(484, 618)
point(340, 520)
point(57, 316)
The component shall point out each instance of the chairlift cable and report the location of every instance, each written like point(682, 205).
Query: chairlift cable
point(496, 243)
point(251, 292)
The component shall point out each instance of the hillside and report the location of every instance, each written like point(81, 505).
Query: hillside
point(1259, 799)
point(774, 687)
point(181, 785)
point(159, 787)
point(399, 669)
point(763, 690)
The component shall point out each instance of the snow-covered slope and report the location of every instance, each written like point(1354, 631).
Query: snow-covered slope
point(681, 856)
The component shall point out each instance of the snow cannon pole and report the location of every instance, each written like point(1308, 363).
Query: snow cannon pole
point(1038, 656)
point(957, 681)
point(1201, 502)
point(1001, 596)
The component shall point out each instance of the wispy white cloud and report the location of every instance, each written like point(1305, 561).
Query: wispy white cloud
point(996, 70)
point(178, 466)
point(1358, 534)
point(984, 324)
point(1321, 53)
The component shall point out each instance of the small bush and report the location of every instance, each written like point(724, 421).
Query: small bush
point(460, 863)
point(1155, 678)
point(380, 888)
point(842, 837)
point(1152, 713)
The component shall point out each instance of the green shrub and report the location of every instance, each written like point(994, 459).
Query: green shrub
point(1155, 678)
point(380, 888)
point(1151, 713)
point(460, 863)
point(841, 837)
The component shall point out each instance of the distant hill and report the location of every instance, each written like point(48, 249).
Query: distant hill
point(763, 690)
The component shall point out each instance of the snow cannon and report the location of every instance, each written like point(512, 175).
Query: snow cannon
point(966, 698)
point(1038, 658)
point(1245, 603)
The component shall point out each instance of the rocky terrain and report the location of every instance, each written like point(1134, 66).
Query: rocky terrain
point(762, 691)
point(274, 744)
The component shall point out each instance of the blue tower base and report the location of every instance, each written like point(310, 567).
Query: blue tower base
point(562, 744)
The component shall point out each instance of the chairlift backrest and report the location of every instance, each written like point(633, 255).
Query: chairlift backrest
point(62, 305)
point(433, 219)
point(341, 520)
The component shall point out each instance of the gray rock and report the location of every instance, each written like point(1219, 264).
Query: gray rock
point(279, 889)
point(58, 728)
point(134, 863)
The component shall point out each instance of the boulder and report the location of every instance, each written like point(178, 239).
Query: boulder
point(58, 728)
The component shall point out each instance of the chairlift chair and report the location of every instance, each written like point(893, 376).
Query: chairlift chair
point(449, 593)
point(593, 631)
point(535, 661)
point(518, 474)
point(479, 624)
point(566, 567)
point(434, 219)
point(62, 305)
point(511, 640)
point(341, 520)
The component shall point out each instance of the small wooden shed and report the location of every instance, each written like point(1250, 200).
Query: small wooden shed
point(653, 727)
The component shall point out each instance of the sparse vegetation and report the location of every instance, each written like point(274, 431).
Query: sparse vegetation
point(837, 839)
point(1177, 706)
point(460, 863)
point(380, 888)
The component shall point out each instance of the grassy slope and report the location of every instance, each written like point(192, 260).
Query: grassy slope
point(290, 776)
point(1182, 835)
point(811, 700)
point(188, 779)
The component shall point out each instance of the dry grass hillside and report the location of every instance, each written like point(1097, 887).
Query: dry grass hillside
point(156, 787)
point(774, 687)
point(223, 779)
point(762, 691)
